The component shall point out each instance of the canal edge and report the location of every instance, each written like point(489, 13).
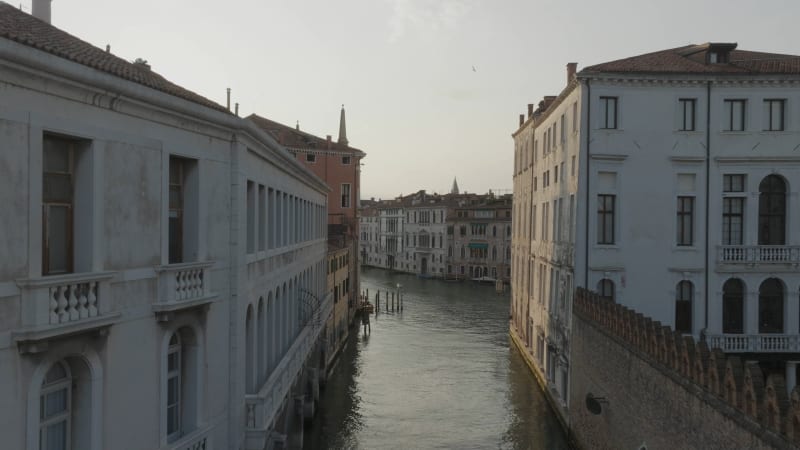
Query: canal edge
point(520, 348)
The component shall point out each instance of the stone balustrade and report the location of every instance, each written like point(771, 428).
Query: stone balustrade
point(755, 343)
point(196, 440)
point(738, 385)
point(63, 304)
point(758, 254)
point(182, 286)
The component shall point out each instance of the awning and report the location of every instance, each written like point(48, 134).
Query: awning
point(478, 245)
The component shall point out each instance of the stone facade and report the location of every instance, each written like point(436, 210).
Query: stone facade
point(162, 260)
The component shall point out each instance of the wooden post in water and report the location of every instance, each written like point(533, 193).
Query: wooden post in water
point(392, 301)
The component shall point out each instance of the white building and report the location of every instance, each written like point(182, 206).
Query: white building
point(162, 279)
point(683, 168)
point(424, 233)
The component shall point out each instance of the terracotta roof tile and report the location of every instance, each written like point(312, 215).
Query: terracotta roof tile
point(25, 29)
point(294, 138)
point(690, 59)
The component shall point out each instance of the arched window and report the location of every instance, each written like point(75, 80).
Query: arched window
point(261, 344)
point(733, 306)
point(494, 230)
point(463, 252)
point(508, 253)
point(174, 377)
point(182, 381)
point(772, 211)
point(770, 306)
point(56, 409)
point(494, 253)
point(683, 307)
point(249, 354)
point(605, 288)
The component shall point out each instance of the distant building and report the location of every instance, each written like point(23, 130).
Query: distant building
point(162, 279)
point(664, 182)
point(414, 234)
point(479, 238)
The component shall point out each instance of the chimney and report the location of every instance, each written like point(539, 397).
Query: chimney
point(521, 119)
point(328, 137)
point(41, 10)
point(229, 99)
point(236, 109)
point(530, 110)
point(571, 69)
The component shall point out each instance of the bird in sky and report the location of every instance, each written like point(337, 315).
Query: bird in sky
point(473, 69)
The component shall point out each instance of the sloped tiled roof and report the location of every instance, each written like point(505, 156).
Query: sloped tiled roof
point(25, 29)
point(691, 59)
point(293, 138)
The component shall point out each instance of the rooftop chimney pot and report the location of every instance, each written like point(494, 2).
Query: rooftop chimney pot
point(41, 10)
point(521, 119)
point(530, 110)
point(571, 70)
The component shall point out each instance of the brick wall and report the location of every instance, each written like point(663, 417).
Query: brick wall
point(666, 391)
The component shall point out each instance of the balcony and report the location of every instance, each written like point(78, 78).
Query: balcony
point(759, 254)
point(196, 440)
point(62, 305)
point(181, 287)
point(755, 343)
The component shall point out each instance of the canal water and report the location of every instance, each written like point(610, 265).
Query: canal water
point(442, 374)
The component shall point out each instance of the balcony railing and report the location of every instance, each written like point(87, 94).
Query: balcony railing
point(196, 440)
point(759, 254)
point(755, 343)
point(181, 286)
point(63, 304)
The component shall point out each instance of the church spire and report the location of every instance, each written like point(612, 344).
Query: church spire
point(454, 190)
point(342, 130)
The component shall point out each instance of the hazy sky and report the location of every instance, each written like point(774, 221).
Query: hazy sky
point(404, 68)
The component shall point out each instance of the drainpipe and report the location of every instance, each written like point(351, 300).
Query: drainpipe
point(708, 198)
point(588, 177)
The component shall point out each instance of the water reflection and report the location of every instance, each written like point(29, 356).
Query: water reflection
point(441, 374)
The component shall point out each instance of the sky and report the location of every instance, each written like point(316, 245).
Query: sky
point(432, 88)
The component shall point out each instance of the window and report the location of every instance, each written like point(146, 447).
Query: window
point(57, 205)
point(345, 195)
point(182, 210)
point(251, 217)
point(262, 217)
point(605, 289)
point(608, 113)
point(772, 211)
point(773, 114)
point(575, 116)
point(605, 219)
point(55, 407)
point(463, 252)
point(311, 158)
point(563, 129)
point(345, 160)
point(174, 388)
point(685, 221)
point(683, 307)
point(733, 210)
point(181, 384)
point(770, 306)
point(734, 114)
point(687, 112)
point(733, 307)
